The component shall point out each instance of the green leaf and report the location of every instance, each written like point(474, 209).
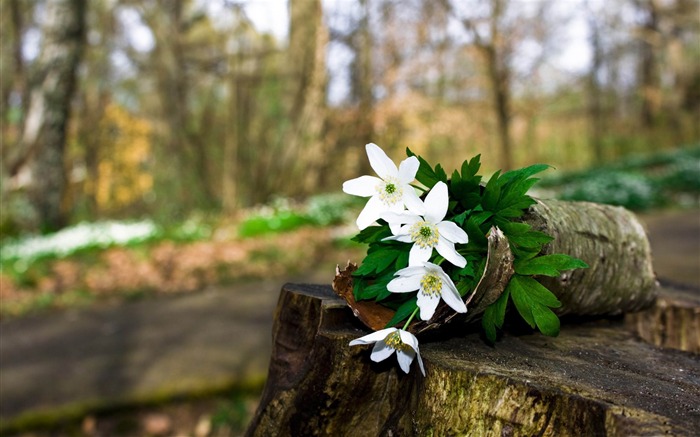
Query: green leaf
point(488, 323)
point(426, 175)
point(521, 300)
point(378, 258)
point(403, 312)
point(525, 172)
point(537, 292)
point(401, 261)
point(547, 322)
point(530, 240)
point(515, 228)
point(375, 290)
point(495, 315)
point(474, 232)
point(469, 169)
point(492, 193)
point(372, 234)
point(549, 265)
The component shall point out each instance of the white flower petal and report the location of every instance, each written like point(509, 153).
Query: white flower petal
point(412, 201)
point(403, 218)
point(452, 298)
point(404, 284)
point(430, 266)
point(418, 255)
point(404, 238)
point(412, 270)
point(409, 339)
point(373, 337)
point(371, 213)
point(452, 232)
point(395, 229)
point(382, 165)
point(405, 359)
point(420, 364)
point(436, 203)
point(381, 352)
point(447, 250)
point(394, 217)
point(364, 186)
point(408, 169)
point(427, 305)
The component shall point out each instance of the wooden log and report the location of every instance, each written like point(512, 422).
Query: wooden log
point(672, 322)
point(612, 241)
point(596, 378)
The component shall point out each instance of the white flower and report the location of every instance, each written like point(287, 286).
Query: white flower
point(432, 283)
point(389, 340)
point(391, 192)
point(429, 231)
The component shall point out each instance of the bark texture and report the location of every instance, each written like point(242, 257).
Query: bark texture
point(672, 322)
point(594, 379)
point(611, 240)
point(47, 117)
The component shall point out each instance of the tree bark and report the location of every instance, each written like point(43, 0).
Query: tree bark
point(308, 38)
point(594, 379)
point(48, 114)
point(611, 240)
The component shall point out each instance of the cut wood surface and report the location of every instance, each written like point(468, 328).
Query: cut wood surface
point(596, 378)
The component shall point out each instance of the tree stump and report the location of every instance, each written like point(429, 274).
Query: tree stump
point(595, 378)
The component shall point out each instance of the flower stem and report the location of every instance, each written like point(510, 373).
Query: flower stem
point(410, 318)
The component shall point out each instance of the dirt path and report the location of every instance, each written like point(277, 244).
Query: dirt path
point(675, 243)
point(139, 351)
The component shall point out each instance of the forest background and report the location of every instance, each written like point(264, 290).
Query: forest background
point(168, 145)
point(170, 107)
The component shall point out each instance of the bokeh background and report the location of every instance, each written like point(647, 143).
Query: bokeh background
point(166, 146)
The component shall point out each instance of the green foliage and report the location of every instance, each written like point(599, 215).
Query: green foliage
point(268, 224)
point(548, 265)
point(426, 174)
point(86, 238)
point(631, 190)
point(283, 216)
point(637, 182)
point(477, 208)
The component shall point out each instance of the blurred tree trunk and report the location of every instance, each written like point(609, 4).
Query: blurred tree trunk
point(44, 134)
point(183, 146)
point(495, 50)
point(305, 147)
point(595, 92)
point(648, 69)
point(362, 86)
point(236, 126)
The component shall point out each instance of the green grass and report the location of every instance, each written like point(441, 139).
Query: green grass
point(638, 182)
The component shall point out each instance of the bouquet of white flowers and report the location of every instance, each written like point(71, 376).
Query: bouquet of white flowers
point(445, 240)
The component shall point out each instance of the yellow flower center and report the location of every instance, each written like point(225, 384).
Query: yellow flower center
point(424, 234)
point(393, 340)
point(431, 284)
point(390, 192)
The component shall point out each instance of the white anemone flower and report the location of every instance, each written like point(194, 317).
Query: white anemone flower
point(429, 231)
point(388, 192)
point(390, 340)
point(432, 284)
